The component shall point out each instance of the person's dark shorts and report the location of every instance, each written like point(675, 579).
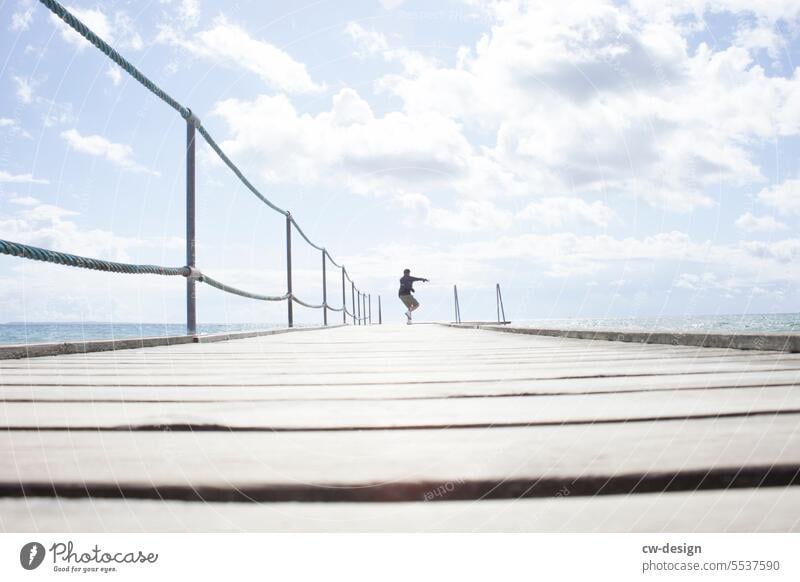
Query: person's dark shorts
point(409, 301)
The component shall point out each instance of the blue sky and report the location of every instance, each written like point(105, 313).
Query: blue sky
point(594, 158)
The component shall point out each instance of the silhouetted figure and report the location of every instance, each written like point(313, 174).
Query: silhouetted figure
point(406, 289)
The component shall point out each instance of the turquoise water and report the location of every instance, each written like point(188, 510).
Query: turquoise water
point(29, 333)
point(755, 323)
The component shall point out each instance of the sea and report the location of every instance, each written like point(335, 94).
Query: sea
point(741, 323)
point(28, 333)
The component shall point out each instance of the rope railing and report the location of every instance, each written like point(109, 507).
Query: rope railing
point(190, 272)
point(107, 50)
point(308, 240)
point(16, 249)
point(304, 304)
point(233, 290)
point(218, 150)
point(335, 264)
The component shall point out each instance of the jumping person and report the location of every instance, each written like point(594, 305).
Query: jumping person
point(406, 289)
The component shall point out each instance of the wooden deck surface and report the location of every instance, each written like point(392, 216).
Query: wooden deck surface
point(402, 428)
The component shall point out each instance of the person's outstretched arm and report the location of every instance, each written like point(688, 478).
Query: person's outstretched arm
point(423, 279)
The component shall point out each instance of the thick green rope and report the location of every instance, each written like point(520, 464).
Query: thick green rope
point(48, 256)
point(335, 264)
point(308, 240)
point(236, 170)
point(106, 49)
point(309, 305)
point(228, 289)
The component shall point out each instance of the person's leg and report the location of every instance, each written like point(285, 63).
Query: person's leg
point(414, 304)
point(407, 301)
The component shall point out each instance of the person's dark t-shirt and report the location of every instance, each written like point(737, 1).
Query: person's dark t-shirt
point(407, 284)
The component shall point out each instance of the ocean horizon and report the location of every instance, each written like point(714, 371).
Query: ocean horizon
point(16, 332)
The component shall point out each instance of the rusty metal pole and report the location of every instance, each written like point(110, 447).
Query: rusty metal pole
point(289, 300)
point(191, 288)
point(324, 291)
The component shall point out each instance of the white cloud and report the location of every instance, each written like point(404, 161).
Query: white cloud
point(8, 178)
point(230, 44)
point(561, 211)
point(374, 43)
point(189, 12)
point(57, 113)
point(96, 145)
point(471, 216)
point(466, 216)
point(783, 251)
point(735, 268)
point(752, 223)
point(368, 41)
point(53, 227)
point(114, 73)
point(785, 197)
point(347, 144)
point(25, 88)
point(22, 18)
point(94, 18)
point(24, 200)
point(117, 31)
point(596, 97)
point(14, 127)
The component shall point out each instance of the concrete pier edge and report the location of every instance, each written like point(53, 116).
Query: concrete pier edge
point(18, 351)
point(778, 342)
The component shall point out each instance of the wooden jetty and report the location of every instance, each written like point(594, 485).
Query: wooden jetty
point(397, 428)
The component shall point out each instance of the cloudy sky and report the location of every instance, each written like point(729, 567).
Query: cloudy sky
point(594, 158)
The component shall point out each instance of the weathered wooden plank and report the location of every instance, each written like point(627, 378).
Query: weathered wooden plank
point(744, 510)
point(400, 391)
point(395, 366)
point(375, 356)
point(402, 465)
point(372, 414)
point(205, 376)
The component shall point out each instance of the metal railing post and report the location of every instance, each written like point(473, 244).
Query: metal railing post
point(290, 302)
point(497, 301)
point(358, 295)
point(369, 297)
point(500, 307)
point(191, 287)
point(344, 301)
point(457, 307)
point(324, 291)
point(353, 300)
point(380, 318)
